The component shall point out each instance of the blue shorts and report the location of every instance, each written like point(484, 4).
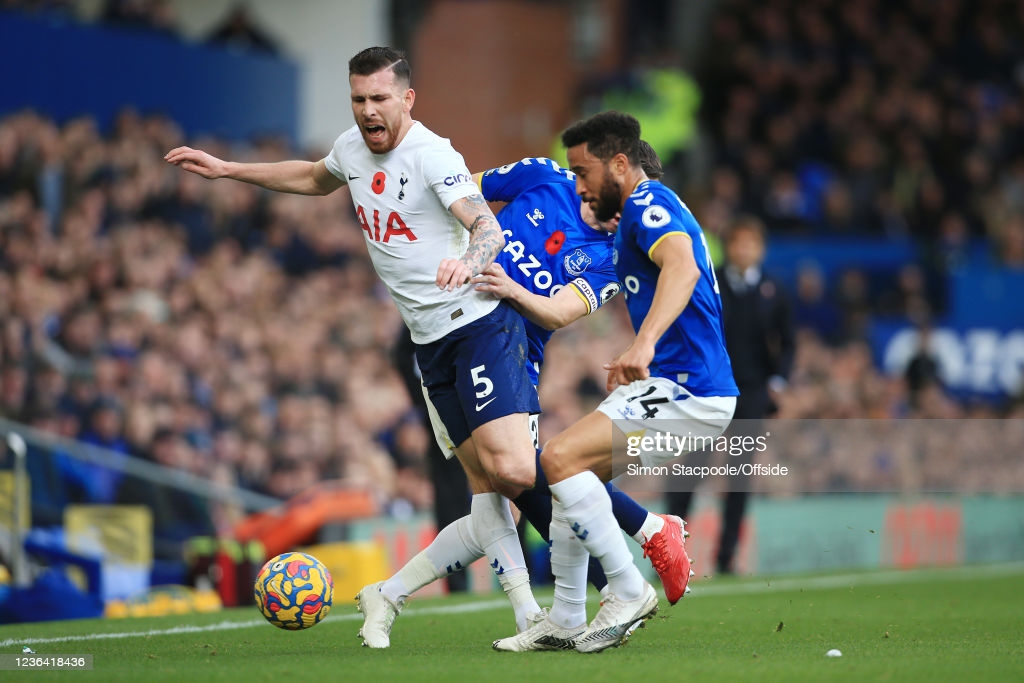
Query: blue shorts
point(478, 373)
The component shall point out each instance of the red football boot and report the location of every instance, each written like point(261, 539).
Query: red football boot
point(667, 553)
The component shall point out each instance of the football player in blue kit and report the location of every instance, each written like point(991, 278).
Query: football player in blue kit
point(556, 267)
point(580, 262)
point(677, 367)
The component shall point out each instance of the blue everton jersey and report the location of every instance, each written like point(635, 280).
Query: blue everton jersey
point(692, 351)
point(547, 244)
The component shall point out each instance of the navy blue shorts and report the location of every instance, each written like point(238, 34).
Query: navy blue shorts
point(478, 373)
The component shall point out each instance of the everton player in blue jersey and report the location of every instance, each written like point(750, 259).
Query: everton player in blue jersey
point(556, 267)
point(580, 257)
point(677, 368)
point(552, 242)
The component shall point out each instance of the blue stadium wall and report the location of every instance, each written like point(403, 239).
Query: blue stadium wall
point(65, 69)
point(979, 336)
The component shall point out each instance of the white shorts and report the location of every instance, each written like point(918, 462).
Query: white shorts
point(444, 442)
point(658, 405)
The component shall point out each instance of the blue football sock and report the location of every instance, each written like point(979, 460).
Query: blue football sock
point(628, 513)
point(541, 484)
point(536, 507)
point(595, 575)
point(535, 503)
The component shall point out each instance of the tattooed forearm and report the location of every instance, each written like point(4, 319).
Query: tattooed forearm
point(485, 242)
point(485, 239)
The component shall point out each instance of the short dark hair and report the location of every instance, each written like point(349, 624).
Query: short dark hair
point(374, 59)
point(649, 161)
point(746, 223)
point(606, 134)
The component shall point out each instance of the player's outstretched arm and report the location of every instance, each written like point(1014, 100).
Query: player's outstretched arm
point(296, 177)
point(485, 241)
point(550, 312)
point(679, 275)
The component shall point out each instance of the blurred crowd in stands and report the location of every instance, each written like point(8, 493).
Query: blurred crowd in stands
point(208, 326)
point(243, 336)
point(897, 119)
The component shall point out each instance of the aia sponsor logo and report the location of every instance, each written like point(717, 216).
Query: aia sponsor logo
point(392, 225)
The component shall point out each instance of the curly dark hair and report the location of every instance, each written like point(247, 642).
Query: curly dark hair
point(606, 134)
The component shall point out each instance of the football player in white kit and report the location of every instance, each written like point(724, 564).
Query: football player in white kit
point(429, 231)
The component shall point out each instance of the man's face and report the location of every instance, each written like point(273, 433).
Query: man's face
point(745, 249)
point(595, 183)
point(381, 106)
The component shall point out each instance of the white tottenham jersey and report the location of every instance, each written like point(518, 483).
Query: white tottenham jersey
point(402, 199)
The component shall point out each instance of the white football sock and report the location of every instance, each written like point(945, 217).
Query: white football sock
point(496, 532)
point(589, 510)
point(569, 564)
point(652, 525)
point(454, 549)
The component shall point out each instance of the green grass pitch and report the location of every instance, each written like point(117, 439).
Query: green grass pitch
point(962, 624)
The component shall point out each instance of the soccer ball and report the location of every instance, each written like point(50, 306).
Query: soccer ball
point(294, 591)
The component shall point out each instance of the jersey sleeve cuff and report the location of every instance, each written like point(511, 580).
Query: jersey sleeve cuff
point(333, 168)
point(650, 251)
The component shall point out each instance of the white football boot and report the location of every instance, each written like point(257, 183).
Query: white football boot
point(617, 619)
point(542, 634)
point(379, 614)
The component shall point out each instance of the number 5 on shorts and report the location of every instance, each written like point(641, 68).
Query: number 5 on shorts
point(488, 386)
point(478, 379)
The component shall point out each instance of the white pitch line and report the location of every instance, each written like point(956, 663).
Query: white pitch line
point(702, 589)
point(765, 585)
point(251, 623)
point(219, 626)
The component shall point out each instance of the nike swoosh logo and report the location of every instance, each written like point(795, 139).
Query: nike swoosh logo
point(353, 177)
point(480, 406)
